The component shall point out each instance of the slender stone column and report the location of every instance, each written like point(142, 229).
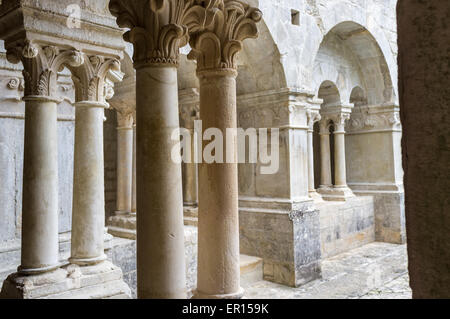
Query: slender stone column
point(190, 197)
point(124, 162)
point(88, 214)
point(325, 156)
point(158, 30)
point(133, 186)
point(339, 151)
point(40, 169)
point(313, 117)
point(40, 187)
point(218, 230)
point(189, 112)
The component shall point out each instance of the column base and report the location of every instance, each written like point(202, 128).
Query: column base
point(200, 295)
point(340, 194)
point(315, 196)
point(123, 225)
point(101, 281)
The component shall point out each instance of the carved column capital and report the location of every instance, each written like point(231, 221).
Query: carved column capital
point(216, 47)
point(324, 125)
point(312, 117)
point(125, 120)
point(189, 107)
point(41, 65)
point(339, 121)
point(159, 28)
point(94, 80)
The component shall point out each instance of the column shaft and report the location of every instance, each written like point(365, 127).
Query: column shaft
point(311, 187)
point(124, 169)
point(325, 160)
point(133, 186)
point(88, 215)
point(339, 159)
point(218, 220)
point(40, 187)
point(160, 230)
point(190, 178)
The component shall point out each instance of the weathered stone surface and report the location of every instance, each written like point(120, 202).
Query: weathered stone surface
point(424, 98)
point(347, 225)
point(289, 244)
point(71, 282)
point(373, 271)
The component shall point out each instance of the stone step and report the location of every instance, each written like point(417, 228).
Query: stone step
point(251, 270)
point(191, 221)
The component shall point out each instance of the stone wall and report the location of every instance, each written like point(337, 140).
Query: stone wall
point(289, 244)
point(346, 225)
point(424, 62)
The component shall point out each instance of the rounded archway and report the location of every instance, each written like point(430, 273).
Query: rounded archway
point(350, 56)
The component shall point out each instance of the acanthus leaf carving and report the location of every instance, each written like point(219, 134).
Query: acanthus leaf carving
point(94, 80)
point(217, 45)
point(41, 65)
point(159, 28)
point(375, 121)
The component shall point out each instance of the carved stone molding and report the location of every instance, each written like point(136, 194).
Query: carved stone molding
point(375, 118)
point(284, 109)
point(41, 66)
point(159, 28)
point(16, 84)
point(216, 47)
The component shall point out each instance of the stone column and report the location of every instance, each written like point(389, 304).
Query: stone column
point(190, 112)
point(88, 215)
point(340, 190)
point(218, 229)
point(158, 31)
point(313, 117)
point(339, 151)
point(40, 169)
point(133, 185)
point(325, 156)
point(40, 187)
point(125, 137)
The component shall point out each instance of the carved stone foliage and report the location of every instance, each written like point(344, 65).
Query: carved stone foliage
point(94, 80)
point(41, 66)
point(339, 121)
point(313, 117)
point(158, 28)
point(378, 121)
point(125, 119)
point(217, 45)
point(264, 116)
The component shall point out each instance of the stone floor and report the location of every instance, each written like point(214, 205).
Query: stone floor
point(374, 271)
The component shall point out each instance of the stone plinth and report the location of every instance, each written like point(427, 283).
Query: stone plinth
point(287, 241)
point(123, 225)
point(101, 281)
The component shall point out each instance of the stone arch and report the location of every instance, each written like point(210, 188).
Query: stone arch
point(351, 55)
point(358, 96)
point(259, 66)
point(329, 93)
